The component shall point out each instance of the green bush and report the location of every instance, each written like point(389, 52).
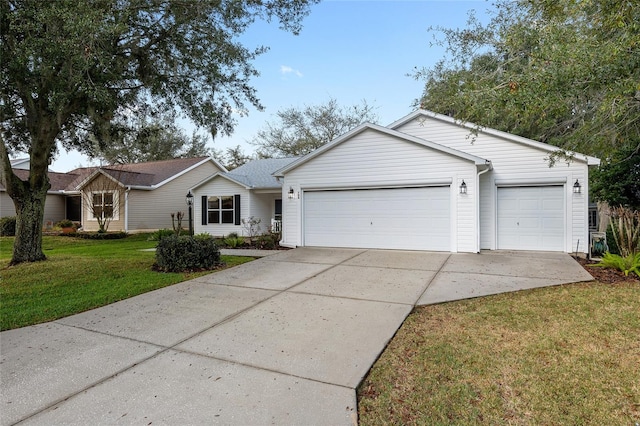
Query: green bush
point(268, 241)
point(630, 263)
point(233, 241)
point(184, 253)
point(160, 234)
point(8, 226)
point(99, 235)
point(65, 223)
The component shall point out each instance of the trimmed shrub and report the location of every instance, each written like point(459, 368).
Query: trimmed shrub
point(65, 223)
point(99, 235)
point(8, 226)
point(184, 253)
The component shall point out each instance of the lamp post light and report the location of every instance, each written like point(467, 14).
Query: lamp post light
point(190, 204)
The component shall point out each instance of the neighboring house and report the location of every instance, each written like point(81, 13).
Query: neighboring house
point(138, 197)
point(224, 199)
point(57, 205)
point(426, 183)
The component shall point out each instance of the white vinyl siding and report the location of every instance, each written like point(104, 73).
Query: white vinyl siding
point(263, 207)
point(372, 159)
point(220, 187)
point(397, 218)
point(531, 218)
point(511, 161)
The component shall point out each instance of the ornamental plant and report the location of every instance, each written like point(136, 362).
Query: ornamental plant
point(625, 226)
point(629, 263)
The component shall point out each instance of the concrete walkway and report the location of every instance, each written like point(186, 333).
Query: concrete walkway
point(284, 339)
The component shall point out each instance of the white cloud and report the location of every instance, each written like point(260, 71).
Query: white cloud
point(285, 69)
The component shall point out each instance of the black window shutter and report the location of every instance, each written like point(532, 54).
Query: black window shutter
point(236, 208)
point(204, 209)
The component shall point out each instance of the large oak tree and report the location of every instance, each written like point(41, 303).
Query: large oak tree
point(69, 68)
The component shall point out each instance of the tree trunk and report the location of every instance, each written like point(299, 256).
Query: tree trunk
point(29, 220)
point(29, 196)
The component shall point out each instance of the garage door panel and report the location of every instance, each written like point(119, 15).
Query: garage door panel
point(531, 218)
point(400, 218)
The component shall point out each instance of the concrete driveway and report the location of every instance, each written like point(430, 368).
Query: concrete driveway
point(285, 339)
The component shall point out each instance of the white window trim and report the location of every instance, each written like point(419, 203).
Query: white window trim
point(116, 205)
point(220, 209)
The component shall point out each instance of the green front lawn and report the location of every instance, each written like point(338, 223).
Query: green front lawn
point(80, 275)
point(566, 355)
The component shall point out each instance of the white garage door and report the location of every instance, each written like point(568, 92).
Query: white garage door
point(398, 218)
point(531, 218)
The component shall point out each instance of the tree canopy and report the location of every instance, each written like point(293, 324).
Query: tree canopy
point(565, 72)
point(147, 136)
point(298, 131)
point(617, 181)
point(71, 68)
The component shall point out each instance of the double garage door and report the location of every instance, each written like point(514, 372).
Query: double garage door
point(394, 218)
point(531, 218)
point(528, 218)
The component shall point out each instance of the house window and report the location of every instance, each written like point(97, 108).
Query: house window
point(593, 218)
point(278, 210)
point(104, 205)
point(220, 209)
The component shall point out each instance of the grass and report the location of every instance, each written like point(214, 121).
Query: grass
point(80, 275)
point(552, 356)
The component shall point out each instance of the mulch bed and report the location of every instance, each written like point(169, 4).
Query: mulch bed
point(606, 275)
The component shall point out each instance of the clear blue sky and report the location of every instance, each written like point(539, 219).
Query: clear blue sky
point(348, 50)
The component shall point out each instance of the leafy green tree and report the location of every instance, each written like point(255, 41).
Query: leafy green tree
point(300, 131)
point(149, 137)
point(70, 68)
point(234, 157)
point(617, 181)
point(565, 72)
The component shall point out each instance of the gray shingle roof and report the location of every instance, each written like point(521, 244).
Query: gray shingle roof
point(139, 174)
point(257, 174)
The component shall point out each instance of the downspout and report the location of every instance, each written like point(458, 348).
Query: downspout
point(478, 203)
point(126, 208)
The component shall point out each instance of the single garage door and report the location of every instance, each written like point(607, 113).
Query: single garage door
point(397, 218)
point(531, 218)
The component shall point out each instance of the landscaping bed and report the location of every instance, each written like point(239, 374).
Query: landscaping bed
point(607, 275)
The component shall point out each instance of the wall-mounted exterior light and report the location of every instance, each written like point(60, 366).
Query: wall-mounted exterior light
point(291, 193)
point(577, 188)
point(463, 187)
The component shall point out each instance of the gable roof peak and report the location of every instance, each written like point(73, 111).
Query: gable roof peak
point(591, 161)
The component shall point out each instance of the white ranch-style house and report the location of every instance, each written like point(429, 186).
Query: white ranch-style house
point(425, 182)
